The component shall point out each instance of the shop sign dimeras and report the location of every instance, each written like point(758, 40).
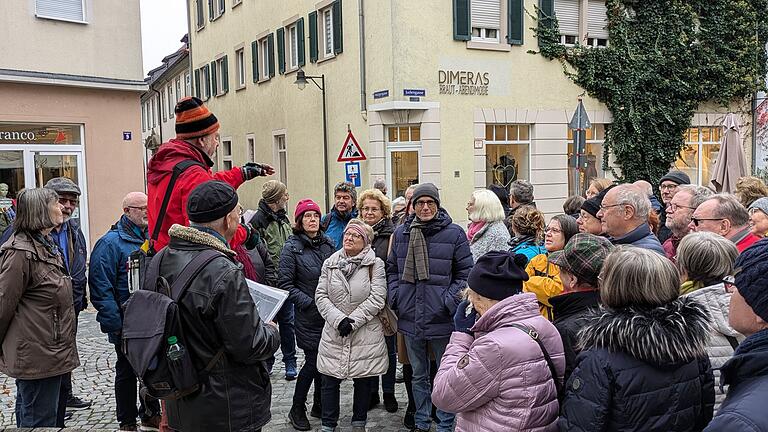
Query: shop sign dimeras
point(463, 82)
point(39, 134)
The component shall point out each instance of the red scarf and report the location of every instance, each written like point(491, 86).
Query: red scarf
point(243, 258)
point(474, 227)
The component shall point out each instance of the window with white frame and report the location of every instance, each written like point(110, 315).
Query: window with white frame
point(570, 13)
point(293, 46)
point(143, 117)
point(403, 157)
point(152, 105)
point(264, 58)
point(697, 159)
point(486, 20)
point(587, 166)
point(220, 74)
point(178, 88)
point(226, 154)
point(205, 78)
point(250, 143)
point(236, 2)
point(327, 25)
point(507, 153)
point(240, 67)
point(217, 7)
point(64, 10)
point(281, 154)
point(188, 84)
point(162, 104)
point(200, 14)
point(171, 101)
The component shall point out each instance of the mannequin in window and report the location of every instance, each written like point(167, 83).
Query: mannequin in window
point(7, 214)
point(590, 171)
point(507, 169)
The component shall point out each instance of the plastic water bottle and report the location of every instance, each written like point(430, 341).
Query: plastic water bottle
point(175, 350)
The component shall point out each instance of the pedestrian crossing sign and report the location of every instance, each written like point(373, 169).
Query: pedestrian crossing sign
point(351, 150)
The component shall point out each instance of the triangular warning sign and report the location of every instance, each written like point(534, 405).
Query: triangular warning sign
point(351, 150)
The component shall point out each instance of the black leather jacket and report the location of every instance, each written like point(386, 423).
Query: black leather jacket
point(218, 311)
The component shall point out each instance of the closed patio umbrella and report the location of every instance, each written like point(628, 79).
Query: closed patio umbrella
point(731, 163)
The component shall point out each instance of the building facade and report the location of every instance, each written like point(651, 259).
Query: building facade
point(434, 93)
point(70, 80)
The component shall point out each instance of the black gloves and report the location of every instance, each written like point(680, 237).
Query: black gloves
point(253, 170)
point(252, 238)
point(345, 327)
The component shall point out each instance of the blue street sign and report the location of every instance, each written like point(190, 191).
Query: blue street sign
point(381, 94)
point(127, 135)
point(414, 92)
point(352, 170)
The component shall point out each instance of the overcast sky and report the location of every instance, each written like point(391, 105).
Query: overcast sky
point(163, 23)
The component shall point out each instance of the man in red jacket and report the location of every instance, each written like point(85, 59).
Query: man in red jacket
point(197, 139)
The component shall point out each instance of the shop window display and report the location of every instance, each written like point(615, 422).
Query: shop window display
point(507, 153)
point(403, 153)
point(591, 165)
point(698, 156)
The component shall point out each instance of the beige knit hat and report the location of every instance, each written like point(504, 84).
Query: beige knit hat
point(272, 191)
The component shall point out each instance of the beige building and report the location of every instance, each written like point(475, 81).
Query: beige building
point(433, 93)
point(70, 82)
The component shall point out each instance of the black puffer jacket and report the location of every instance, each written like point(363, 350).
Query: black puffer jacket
point(570, 311)
point(217, 312)
point(382, 232)
point(642, 370)
point(300, 264)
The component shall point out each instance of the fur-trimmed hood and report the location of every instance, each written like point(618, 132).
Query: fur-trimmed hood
point(193, 235)
point(675, 333)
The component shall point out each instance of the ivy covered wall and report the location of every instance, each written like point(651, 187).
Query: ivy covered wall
point(664, 58)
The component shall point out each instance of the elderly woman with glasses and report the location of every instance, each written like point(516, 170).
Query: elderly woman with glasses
point(706, 264)
point(351, 292)
point(486, 231)
point(37, 316)
point(544, 276)
point(758, 217)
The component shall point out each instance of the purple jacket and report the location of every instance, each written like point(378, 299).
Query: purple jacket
point(500, 380)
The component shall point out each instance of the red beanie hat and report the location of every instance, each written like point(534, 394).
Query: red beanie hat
point(193, 120)
point(304, 206)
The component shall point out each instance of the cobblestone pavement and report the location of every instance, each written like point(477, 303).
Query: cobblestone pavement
point(94, 379)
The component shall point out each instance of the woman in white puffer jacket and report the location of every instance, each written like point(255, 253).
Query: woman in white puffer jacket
point(705, 261)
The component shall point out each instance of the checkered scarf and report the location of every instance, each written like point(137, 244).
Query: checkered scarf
point(417, 258)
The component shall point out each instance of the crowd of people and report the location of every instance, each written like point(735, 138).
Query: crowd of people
point(624, 313)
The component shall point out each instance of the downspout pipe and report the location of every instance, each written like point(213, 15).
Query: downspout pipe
point(361, 25)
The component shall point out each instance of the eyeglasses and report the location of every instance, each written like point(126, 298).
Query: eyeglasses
point(419, 204)
point(138, 208)
point(553, 230)
point(606, 207)
point(352, 235)
point(675, 207)
point(754, 210)
point(370, 209)
point(75, 202)
point(668, 187)
point(696, 221)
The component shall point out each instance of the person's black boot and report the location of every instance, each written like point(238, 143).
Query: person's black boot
point(298, 418)
point(390, 403)
point(374, 401)
point(317, 406)
point(409, 421)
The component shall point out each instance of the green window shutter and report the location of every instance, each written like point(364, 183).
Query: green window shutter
point(206, 77)
point(312, 37)
point(197, 83)
point(214, 84)
point(338, 36)
point(211, 15)
point(547, 11)
point(224, 75)
point(271, 54)
point(255, 60)
point(300, 41)
point(462, 26)
point(515, 22)
point(281, 50)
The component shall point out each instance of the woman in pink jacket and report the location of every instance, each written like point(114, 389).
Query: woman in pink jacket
point(504, 366)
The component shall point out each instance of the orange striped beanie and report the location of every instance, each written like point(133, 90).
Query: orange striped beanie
point(193, 120)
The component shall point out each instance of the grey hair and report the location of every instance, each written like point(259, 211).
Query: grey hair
point(730, 208)
point(631, 195)
point(32, 212)
point(698, 194)
point(521, 191)
point(572, 205)
point(633, 276)
point(379, 184)
point(706, 257)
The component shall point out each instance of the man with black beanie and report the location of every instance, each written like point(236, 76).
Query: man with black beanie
point(220, 320)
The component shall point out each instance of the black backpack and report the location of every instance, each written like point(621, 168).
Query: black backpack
point(150, 317)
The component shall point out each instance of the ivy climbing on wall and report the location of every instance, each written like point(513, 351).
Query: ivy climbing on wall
point(665, 57)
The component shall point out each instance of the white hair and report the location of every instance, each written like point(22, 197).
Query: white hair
point(631, 195)
point(487, 207)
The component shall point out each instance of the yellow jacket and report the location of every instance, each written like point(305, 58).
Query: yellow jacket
point(544, 281)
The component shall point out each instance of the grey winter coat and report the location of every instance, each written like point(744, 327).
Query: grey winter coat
point(723, 338)
point(493, 236)
point(364, 352)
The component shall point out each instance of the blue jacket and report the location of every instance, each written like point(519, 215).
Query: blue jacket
point(747, 375)
point(335, 223)
point(300, 265)
point(425, 309)
point(641, 237)
point(108, 276)
point(526, 246)
point(78, 256)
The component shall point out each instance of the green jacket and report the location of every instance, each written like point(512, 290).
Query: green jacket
point(273, 227)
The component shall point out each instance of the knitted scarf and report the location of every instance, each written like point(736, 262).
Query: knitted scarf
point(474, 228)
point(349, 265)
point(417, 258)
